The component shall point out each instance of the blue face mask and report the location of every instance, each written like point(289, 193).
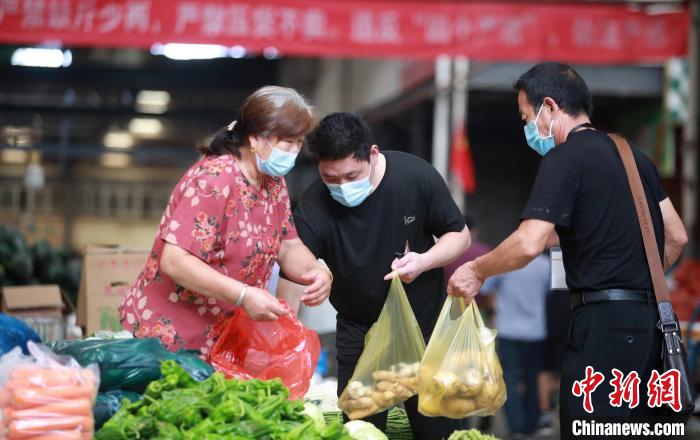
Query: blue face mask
point(541, 145)
point(353, 193)
point(279, 163)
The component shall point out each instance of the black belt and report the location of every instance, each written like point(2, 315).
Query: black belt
point(588, 297)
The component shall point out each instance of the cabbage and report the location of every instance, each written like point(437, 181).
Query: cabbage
point(472, 434)
point(315, 413)
point(360, 430)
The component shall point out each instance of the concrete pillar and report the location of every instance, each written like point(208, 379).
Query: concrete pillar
point(691, 159)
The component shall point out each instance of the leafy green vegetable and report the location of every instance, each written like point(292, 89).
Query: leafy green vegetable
point(177, 407)
point(361, 430)
point(316, 414)
point(471, 434)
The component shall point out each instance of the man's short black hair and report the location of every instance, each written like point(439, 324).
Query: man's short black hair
point(561, 83)
point(340, 135)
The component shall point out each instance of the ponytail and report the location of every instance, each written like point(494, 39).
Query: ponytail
point(226, 140)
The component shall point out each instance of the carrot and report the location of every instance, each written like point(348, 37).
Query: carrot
point(31, 397)
point(73, 407)
point(18, 384)
point(89, 375)
point(51, 377)
point(47, 376)
point(19, 428)
point(55, 435)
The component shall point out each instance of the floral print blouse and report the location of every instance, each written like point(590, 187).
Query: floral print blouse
point(217, 215)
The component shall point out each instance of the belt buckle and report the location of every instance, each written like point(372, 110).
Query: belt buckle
point(669, 327)
point(583, 298)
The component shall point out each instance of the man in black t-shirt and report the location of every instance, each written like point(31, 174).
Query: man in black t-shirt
point(582, 193)
point(366, 208)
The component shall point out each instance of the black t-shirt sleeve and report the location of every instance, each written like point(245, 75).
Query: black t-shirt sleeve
point(656, 186)
point(306, 231)
point(554, 193)
point(443, 214)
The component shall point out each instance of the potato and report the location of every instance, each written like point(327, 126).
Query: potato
point(458, 408)
point(490, 364)
point(426, 373)
point(445, 384)
point(488, 394)
point(471, 383)
point(429, 405)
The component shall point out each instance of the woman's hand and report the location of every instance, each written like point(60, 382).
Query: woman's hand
point(260, 305)
point(319, 288)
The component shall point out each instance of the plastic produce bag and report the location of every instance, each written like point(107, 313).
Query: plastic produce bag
point(460, 374)
point(130, 364)
point(387, 371)
point(46, 396)
point(107, 404)
point(15, 333)
point(282, 349)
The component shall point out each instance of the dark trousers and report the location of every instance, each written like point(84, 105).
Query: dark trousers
point(616, 334)
point(350, 338)
point(521, 360)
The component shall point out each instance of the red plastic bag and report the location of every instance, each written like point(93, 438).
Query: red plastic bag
point(282, 349)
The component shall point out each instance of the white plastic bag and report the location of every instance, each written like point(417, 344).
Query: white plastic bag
point(46, 396)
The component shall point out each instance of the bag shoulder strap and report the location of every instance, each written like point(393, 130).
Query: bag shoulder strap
point(645, 223)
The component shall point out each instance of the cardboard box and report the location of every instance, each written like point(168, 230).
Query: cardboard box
point(42, 307)
point(108, 273)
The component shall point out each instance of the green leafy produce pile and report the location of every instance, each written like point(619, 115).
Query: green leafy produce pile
point(471, 434)
point(177, 407)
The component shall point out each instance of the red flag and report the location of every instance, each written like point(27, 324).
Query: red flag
point(461, 164)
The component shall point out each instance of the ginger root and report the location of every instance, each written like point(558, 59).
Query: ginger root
point(361, 403)
point(383, 375)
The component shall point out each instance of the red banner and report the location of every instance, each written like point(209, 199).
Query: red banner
point(493, 31)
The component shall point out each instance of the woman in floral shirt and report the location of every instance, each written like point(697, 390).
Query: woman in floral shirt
point(227, 222)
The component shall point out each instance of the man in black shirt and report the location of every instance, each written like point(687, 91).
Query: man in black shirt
point(367, 208)
point(582, 193)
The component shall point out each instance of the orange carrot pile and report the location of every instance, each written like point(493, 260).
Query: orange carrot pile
point(48, 403)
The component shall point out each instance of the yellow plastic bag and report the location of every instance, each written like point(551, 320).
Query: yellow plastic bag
point(460, 374)
point(387, 371)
